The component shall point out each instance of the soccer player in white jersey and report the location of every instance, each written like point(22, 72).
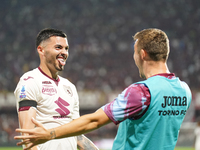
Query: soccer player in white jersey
point(49, 98)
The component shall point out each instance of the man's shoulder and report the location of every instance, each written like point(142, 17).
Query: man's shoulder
point(29, 74)
point(137, 88)
point(27, 80)
point(65, 81)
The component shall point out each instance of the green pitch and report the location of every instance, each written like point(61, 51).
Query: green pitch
point(184, 148)
point(19, 148)
point(11, 148)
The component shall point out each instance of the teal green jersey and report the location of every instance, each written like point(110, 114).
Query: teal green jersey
point(159, 127)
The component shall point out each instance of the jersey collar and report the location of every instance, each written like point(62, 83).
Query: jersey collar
point(166, 75)
point(55, 80)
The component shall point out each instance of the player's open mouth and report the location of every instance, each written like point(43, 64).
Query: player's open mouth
point(61, 60)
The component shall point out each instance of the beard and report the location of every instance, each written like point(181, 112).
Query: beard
point(142, 75)
point(53, 63)
point(60, 68)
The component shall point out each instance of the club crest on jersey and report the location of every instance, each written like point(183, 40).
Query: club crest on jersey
point(49, 90)
point(68, 90)
point(22, 94)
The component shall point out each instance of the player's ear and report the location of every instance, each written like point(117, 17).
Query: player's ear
point(144, 55)
point(40, 50)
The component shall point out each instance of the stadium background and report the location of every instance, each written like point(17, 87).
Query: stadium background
point(101, 48)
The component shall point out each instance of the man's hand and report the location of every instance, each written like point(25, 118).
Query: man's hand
point(36, 136)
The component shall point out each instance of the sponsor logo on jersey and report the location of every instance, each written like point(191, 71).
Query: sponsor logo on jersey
point(25, 79)
point(68, 90)
point(173, 102)
point(60, 117)
point(22, 94)
point(62, 110)
point(49, 90)
point(46, 82)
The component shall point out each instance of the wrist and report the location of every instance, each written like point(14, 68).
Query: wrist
point(52, 133)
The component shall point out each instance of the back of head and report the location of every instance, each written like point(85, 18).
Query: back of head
point(45, 34)
point(155, 42)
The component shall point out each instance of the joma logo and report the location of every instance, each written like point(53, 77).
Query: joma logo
point(174, 101)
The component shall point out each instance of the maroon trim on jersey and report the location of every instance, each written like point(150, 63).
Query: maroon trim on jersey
point(24, 108)
point(167, 75)
point(56, 81)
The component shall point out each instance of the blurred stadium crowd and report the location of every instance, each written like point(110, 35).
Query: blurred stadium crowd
point(100, 40)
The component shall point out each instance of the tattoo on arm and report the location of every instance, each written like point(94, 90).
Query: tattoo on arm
point(53, 134)
point(83, 143)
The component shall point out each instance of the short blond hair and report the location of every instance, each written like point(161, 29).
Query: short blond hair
point(155, 42)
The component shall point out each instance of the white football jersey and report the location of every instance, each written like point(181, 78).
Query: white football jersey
point(57, 104)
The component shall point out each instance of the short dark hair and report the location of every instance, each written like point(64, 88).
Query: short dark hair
point(47, 33)
point(155, 42)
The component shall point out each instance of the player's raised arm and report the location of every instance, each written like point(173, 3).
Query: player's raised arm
point(78, 126)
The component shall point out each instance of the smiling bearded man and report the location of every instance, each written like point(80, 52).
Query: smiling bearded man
point(49, 98)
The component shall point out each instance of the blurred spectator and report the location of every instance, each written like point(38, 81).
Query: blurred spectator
point(99, 33)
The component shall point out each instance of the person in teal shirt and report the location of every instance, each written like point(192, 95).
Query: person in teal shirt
point(149, 112)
